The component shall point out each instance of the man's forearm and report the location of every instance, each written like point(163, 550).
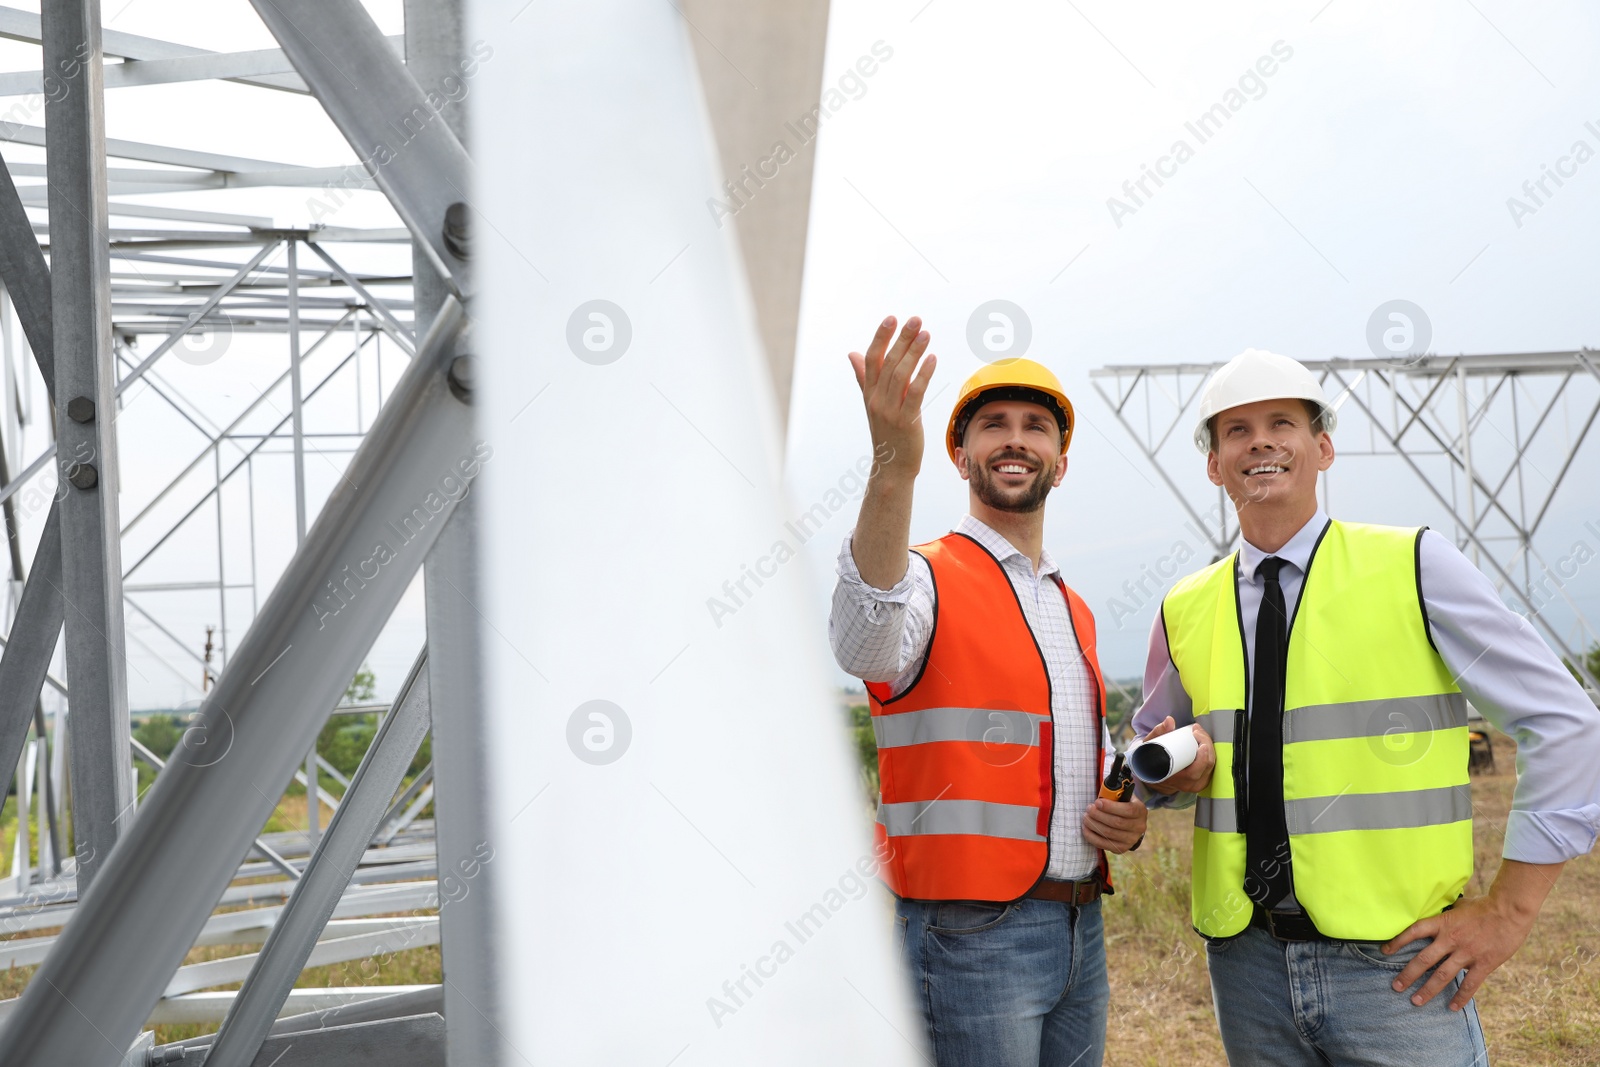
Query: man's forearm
point(1519, 888)
point(883, 531)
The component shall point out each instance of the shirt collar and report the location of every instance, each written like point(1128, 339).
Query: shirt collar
point(1297, 550)
point(996, 543)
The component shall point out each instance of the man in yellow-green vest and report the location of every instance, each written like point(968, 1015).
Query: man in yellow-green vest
point(1325, 669)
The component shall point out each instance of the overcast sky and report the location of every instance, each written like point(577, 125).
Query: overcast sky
point(1368, 154)
point(1374, 163)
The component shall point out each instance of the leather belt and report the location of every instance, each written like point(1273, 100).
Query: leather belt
point(1287, 925)
point(1077, 893)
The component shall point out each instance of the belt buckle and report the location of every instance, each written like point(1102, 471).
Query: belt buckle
point(1296, 919)
point(1074, 893)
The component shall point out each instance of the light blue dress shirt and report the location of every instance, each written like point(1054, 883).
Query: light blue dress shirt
point(1504, 668)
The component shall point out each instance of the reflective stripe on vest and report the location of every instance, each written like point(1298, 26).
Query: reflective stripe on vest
point(989, 726)
point(1352, 811)
point(1374, 741)
point(1016, 821)
point(1385, 717)
point(965, 753)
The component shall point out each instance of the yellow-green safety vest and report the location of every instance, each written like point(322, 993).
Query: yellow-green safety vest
point(1375, 787)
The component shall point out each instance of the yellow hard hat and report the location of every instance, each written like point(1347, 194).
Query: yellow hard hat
point(1010, 379)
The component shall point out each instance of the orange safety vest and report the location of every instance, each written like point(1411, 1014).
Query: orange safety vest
point(965, 755)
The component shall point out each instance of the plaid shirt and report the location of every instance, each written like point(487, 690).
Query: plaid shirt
point(882, 635)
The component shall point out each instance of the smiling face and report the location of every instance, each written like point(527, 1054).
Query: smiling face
point(1011, 453)
point(1267, 455)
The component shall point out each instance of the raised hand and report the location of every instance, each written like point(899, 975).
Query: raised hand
point(892, 387)
point(893, 396)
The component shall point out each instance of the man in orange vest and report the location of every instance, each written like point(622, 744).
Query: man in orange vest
point(988, 707)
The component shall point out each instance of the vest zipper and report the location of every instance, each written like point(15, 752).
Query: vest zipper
point(1241, 755)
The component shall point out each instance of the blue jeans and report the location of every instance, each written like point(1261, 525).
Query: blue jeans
point(1332, 1002)
point(1009, 985)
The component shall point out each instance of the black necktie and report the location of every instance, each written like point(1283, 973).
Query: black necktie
point(1267, 878)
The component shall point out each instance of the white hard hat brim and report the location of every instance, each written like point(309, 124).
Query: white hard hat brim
point(1251, 377)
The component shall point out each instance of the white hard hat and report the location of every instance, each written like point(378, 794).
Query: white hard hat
point(1256, 374)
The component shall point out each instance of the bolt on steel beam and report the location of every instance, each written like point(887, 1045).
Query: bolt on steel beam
point(91, 552)
point(435, 46)
point(385, 115)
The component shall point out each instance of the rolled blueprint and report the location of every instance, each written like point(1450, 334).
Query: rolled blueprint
point(1158, 759)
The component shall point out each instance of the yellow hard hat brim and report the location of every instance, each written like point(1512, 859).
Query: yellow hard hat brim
point(1016, 374)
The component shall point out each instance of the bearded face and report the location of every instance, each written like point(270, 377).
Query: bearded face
point(1012, 480)
point(1012, 451)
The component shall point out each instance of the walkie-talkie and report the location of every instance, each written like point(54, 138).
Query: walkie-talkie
point(1118, 784)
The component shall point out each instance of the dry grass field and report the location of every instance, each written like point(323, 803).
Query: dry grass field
point(1542, 1009)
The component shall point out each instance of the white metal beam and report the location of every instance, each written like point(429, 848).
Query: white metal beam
point(198, 66)
point(85, 403)
point(134, 924)
point(24, 26)
point(292, 944)
point(390, 121)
